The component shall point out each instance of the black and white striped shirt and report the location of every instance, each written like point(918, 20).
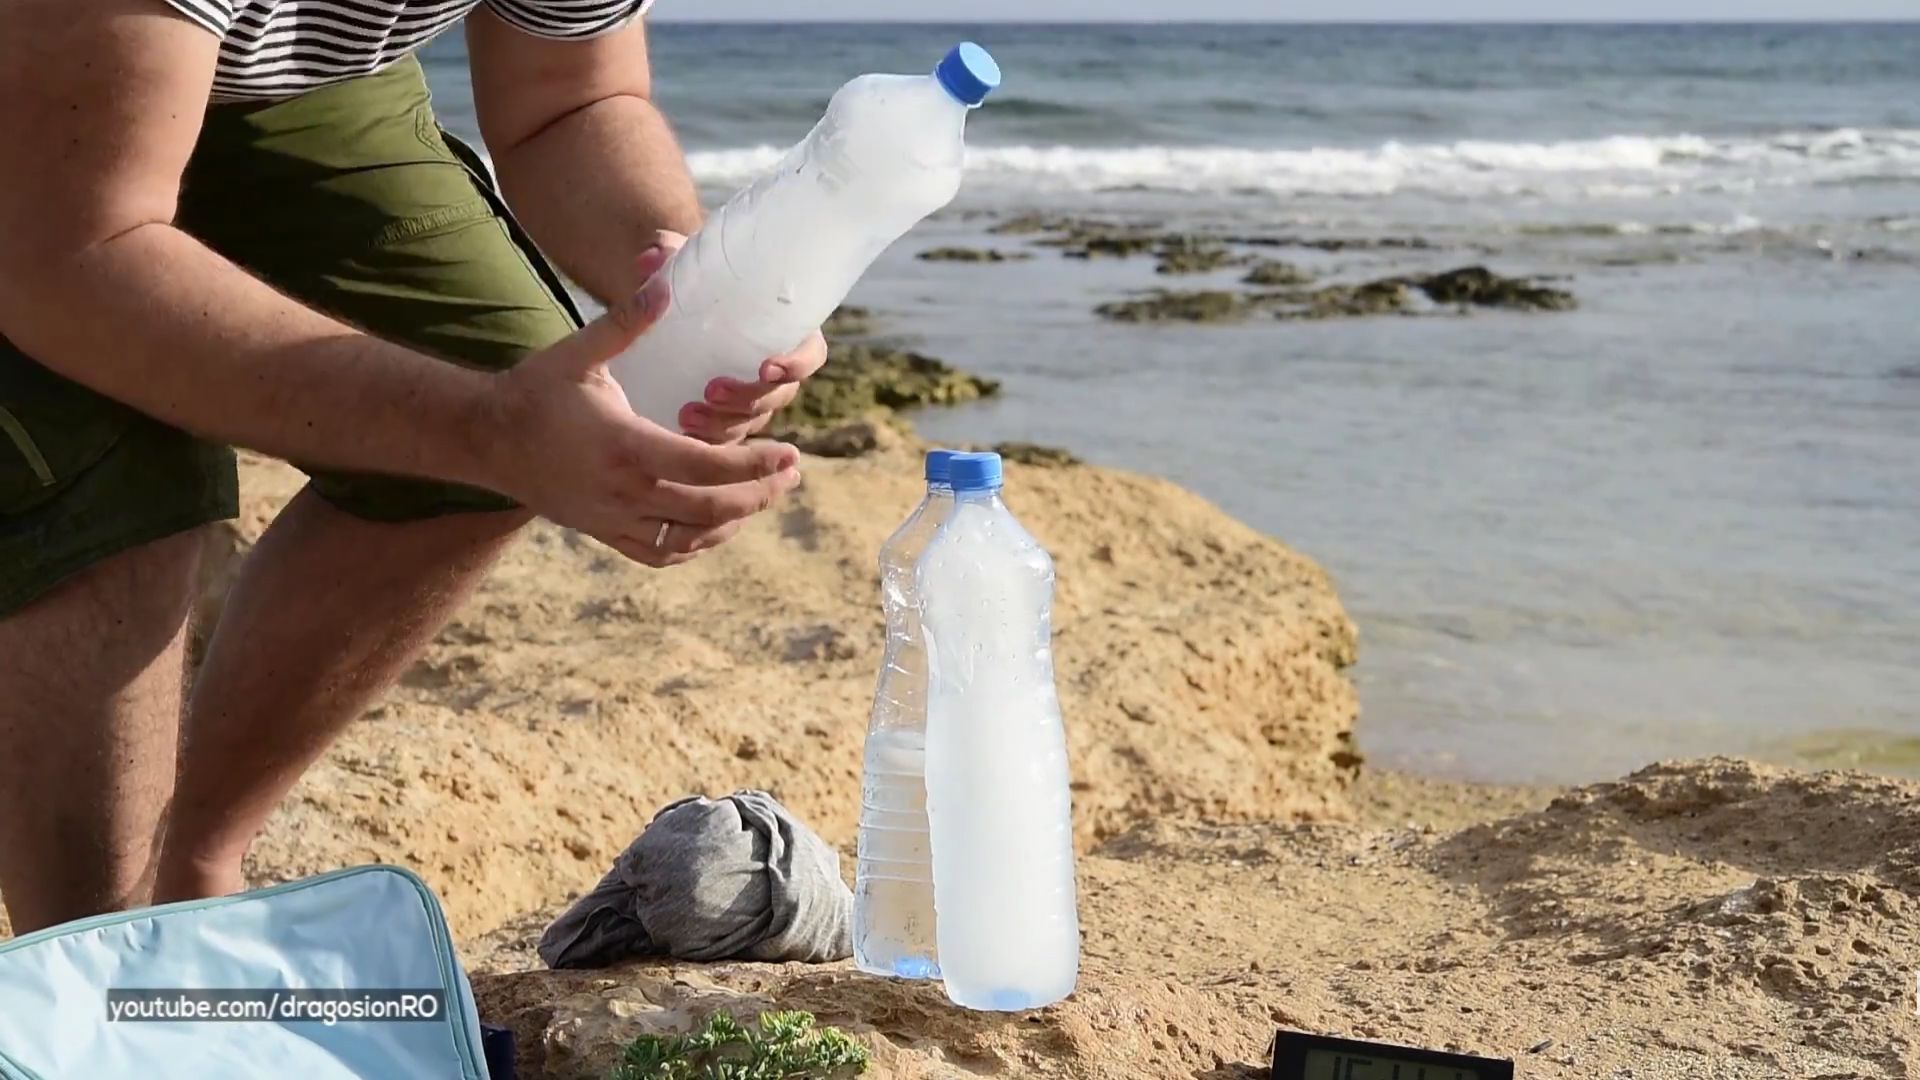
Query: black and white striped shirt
point(278, 48)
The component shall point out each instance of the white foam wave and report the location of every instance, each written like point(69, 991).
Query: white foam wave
point(1617, 166)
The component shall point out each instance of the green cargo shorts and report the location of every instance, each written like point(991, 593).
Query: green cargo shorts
point(350, 199)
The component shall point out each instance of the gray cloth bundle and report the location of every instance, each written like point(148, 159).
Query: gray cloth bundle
point(712, 879)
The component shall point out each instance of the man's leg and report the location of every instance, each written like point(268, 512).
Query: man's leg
point(328, 611)
point(90, 680)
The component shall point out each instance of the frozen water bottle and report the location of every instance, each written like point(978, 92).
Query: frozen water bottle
point(774, 262)
point(998, 806)
point(893, 878)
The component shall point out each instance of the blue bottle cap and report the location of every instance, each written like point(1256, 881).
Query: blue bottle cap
point(968, 73)
point(974, 472)
point(937, 465)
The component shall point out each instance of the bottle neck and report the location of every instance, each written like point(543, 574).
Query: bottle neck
point(978, 495)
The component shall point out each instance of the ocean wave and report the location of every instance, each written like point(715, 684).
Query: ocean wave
point(1613, 167)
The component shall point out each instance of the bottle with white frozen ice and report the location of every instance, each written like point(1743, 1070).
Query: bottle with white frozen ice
point(769, 267)
point(998, 806)
point(893, 878)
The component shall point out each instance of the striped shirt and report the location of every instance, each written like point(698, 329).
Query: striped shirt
point(278, 48)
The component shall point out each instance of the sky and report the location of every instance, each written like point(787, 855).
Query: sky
point(1289, 10)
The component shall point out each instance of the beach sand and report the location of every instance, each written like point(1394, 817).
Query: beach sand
point(1242, 868)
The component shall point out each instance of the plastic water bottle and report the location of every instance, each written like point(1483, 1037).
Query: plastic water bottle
point(773, 263)
point(893, 879)
point(998, 804)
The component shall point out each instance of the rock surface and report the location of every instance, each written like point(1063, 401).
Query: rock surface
point(1466, 287)
point(972, 255)
point(1201, 668)
point(868, 378)
point(1273, 273)
point(1701, 919)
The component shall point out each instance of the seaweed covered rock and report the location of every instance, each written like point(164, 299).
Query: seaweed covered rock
point(866, 377)
point(1195, 258)
point(1481, 287)
point(848, 320)
point(866, 380)
point(1387, 296)
point(1112, 245)
point(1275, 274)
point(857, 438)
point(1045, 457)
point(1170, 305)
point(971, 255)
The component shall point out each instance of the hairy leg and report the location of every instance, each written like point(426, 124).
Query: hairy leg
point(327, 612)
point(90, 687)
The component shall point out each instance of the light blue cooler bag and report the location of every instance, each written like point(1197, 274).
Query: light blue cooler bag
point(370, 928)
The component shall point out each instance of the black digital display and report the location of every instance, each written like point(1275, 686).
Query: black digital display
point(1299, 1056)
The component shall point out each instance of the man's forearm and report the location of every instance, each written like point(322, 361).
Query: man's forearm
point(594, 185)
point(155, 319)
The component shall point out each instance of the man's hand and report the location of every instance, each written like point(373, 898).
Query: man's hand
point(733, 409)
point(575, 453)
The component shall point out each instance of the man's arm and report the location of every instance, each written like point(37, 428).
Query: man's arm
point(592, 168)
point(589, 164)
point(103, 102)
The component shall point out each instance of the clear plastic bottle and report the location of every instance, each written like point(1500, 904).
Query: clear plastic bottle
point(771, 265)
point(998, 806)
point(893, 928)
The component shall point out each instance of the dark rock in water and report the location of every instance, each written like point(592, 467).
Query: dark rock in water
point(1110, 245)
point(855, 439)
point(863, 378)
point(1466, 286)
point(848, 320)
point(1029, 224)
point(1482, 287)
point(1335, 243)
point(1163, 305)
point(1025, 453)
point(1195, 259)
point(1276, 274)
point(1388, 296)
point(972, 255)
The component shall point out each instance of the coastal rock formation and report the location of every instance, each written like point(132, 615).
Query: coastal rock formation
point(1169, 305)
point(869, 377)
point(1387, 296)
point(1201, 669)
point(1272, 273)
point(865, 377)
point(972, 255)
point(1481, 287)
point(1045, 457)
point(1464, 288)
point(1196, 259)
point(1697, 919)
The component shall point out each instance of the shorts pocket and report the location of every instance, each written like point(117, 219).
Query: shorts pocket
point(51, 430)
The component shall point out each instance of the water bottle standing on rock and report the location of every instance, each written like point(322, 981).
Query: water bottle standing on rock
point(893, 927)
point(998, 805)
point(773, 263)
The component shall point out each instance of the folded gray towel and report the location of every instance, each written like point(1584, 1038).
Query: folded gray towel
point(712, 879)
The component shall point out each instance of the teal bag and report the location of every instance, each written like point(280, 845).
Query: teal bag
point(369, 928)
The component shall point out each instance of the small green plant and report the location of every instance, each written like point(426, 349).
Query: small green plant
point(784, 1046)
